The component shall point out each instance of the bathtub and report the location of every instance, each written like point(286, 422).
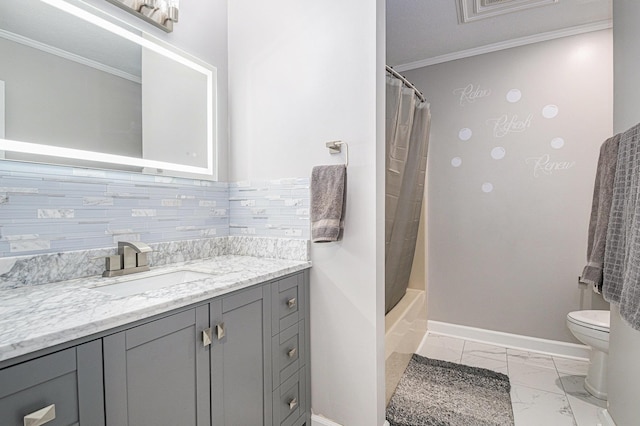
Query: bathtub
point(405, 327)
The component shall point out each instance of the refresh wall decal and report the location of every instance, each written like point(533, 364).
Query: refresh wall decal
point(507, 124)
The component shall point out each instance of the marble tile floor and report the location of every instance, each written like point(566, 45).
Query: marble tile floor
point(545, 390)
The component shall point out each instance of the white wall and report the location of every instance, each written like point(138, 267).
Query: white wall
point(624, 341)
point(302, 74)
point(508, 259)
point(1, 111)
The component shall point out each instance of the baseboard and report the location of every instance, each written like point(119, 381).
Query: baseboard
point(605, 418)
point(514, 341)
point(323, 421)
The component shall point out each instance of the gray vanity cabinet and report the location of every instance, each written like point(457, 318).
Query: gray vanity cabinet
point(61, 389)
point(241, 358)
point(260, 355)
point(290, 350)
point(158, 373)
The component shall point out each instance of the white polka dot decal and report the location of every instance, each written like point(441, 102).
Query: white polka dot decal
point(487, 187)
point(465, 134)
point(557, 143)
point(456, 161)
point(550, 111)
point(514, 95)
point(498, 153)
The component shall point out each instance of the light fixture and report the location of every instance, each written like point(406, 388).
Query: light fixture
point(161, 13)
point(157, 47)
point(173, 7)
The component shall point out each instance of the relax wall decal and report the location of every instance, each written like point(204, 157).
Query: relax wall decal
point(470, 93)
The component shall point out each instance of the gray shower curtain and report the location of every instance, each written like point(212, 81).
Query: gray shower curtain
point(407, 139)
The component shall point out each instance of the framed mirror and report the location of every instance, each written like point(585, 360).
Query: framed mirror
point(83, 88)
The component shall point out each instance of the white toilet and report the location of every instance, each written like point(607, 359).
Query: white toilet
point(592, 329)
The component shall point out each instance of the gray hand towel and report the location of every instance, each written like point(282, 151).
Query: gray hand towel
point(621, 273)
point(600, 208)
point(328, 188)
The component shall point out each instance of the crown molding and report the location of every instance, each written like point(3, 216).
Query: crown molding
point(516, 42)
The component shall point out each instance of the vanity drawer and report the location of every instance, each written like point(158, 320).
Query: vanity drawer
point(287, 300)
point(290, 402)
point(288, 353)
point(64, 387)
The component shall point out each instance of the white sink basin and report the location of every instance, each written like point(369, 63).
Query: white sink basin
point(140, 285)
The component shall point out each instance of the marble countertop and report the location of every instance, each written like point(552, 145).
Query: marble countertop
point(37, 317)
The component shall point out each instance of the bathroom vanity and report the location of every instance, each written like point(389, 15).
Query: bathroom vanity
point(229, 349)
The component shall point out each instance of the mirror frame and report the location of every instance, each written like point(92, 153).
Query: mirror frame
point(158, 46)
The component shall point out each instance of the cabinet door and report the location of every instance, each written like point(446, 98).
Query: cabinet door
point(157, 374)
point(241, 359)
point(65, 387)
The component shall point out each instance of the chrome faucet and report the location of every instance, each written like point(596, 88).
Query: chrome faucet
point(131, 258)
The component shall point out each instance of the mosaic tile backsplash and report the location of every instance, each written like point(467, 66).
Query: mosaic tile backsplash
point(274, 208)
point(53, 209)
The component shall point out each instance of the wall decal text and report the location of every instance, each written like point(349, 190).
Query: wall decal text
point(470, 93)
point(504, 125)
point(544, 166)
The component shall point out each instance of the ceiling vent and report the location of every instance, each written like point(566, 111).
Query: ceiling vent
point(486, 3)
point(473, 10)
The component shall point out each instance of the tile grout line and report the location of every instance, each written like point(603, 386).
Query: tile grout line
point(557, 374)
point(566, 395)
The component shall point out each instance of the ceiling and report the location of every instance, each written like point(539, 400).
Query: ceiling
point(421, 30)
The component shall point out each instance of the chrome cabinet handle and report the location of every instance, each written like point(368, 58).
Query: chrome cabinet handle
point(293, 403)
point(220, 331)
point(292, 352)
point(292, 302)
point(40, 417)
point(207, 336)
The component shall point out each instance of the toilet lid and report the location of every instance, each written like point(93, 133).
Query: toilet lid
point(597, 320)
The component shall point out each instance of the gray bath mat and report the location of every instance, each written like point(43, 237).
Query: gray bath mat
point(439, 393)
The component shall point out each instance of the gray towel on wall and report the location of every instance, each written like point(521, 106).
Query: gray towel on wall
point(328, 188)
point(600, 208)
point(621, 281)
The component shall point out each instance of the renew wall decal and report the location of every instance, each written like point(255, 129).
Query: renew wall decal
point(544, 165)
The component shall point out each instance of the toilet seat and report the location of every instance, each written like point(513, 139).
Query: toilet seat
point(594, 319)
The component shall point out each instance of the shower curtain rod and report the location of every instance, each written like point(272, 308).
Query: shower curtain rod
point(406, 82)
